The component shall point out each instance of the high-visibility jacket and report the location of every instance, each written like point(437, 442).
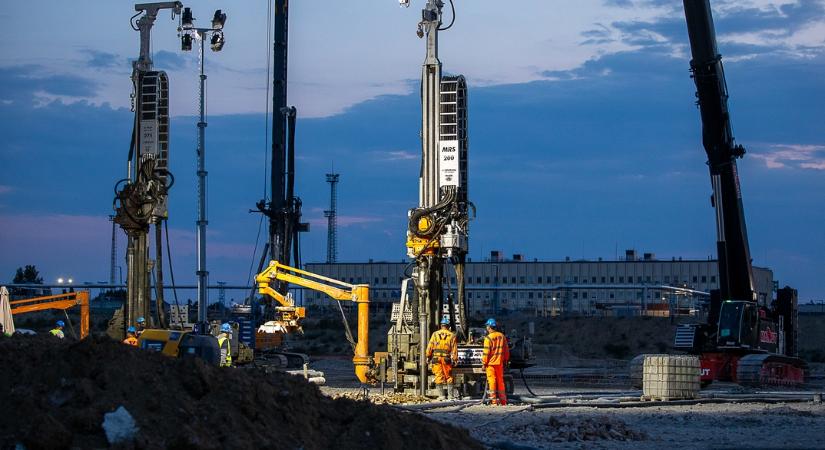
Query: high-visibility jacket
point(57, 332)
point(226, 351)
point(131, 340)
point(496, 350)
point(443, 344)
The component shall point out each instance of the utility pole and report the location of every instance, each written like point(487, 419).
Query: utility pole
point(189, 31)
point(332, 223)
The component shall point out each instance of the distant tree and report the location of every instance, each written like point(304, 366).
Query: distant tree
point(27, 275)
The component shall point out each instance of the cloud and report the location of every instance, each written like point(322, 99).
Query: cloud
point(396, 155)
point(167, 60)
point(790, 156)
point(97, 59)
point(5, 189)
point(30, 84)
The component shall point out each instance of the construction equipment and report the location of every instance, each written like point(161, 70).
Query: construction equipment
point(438, 230)
point(141, 198)
point(62, 302)
point(746, 339)
point(179, 343)
point(284, 207)
point(289, 317)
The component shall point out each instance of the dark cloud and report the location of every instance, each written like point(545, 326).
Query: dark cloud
point(101, 60)
point(22, 83)
point(167, 60)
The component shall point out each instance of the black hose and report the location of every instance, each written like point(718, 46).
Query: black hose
point(452, 21)
point(524, 380)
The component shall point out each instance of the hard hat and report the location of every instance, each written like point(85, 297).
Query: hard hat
point(131, 330)
point(225, 328)
point(445, 320)
point(141, 320)
point(60, 323)
point(490, 323)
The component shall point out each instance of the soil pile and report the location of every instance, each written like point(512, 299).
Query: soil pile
point(55, 395)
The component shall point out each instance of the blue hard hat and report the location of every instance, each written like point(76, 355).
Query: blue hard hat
point(60, 323)
point(131, 330)
point(141, 320)
point(225, 328)
point(490, 323)
point(445, 320)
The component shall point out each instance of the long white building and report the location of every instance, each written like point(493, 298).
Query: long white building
point(579, 287)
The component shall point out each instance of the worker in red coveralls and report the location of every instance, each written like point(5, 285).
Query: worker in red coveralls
point(495, 357)
point(443, 352)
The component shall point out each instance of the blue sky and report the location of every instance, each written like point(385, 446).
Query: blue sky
point(584, 137)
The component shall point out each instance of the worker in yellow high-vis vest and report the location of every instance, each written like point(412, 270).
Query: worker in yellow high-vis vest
point(442, 350)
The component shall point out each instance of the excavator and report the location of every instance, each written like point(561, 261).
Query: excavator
point(745, 340)
point(61, 302)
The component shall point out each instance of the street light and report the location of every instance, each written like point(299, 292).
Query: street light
point(188, 33)
point(60, 280)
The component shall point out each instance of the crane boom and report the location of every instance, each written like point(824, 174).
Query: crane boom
point(291, 315)
point(735, 271)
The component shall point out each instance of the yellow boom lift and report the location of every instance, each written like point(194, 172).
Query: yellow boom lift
point(289, 316)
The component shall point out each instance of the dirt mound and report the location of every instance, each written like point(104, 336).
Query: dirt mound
point(55, 395)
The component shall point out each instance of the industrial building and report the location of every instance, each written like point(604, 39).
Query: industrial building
point(630, 286)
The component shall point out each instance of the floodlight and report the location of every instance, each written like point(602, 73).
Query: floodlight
point(186, 20)
point(186, 42)
point(217, 41)
point(219, 20)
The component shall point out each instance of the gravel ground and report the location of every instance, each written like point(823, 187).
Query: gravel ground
point(683, 427)
point(519, 427)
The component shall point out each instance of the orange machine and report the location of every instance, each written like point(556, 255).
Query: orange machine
point(61, 302)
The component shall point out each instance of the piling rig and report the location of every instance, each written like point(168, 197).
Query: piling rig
point(141, 198)
point(437, 232)
point(746, 339)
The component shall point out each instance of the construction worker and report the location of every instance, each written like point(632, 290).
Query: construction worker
point(495, 357)
point(224, 344)
point(442, 350)
point(131, 338)
point(141, 325)
point(58, 329)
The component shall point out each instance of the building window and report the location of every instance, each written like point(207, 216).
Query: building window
point(503, 280)
point(452, 280)
point(629, 279)
point(704, 279)
point(713, 278)
point(621, 279)
point(558, 279)
point(530, 295)
point(584, 294)
point(539, 280)
point(513, 280)
point(478, 280)
point(612, 295)
point(575, 294)
point(575, 279)
point(612, 279)
point(647, 279)
point(522, 280)
point(694, 278)
point(384, 280)
point(593, 279)
point(486, 280)
point(603, 280)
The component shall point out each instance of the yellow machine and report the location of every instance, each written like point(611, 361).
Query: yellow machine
point(289, 316)
point(178, 343)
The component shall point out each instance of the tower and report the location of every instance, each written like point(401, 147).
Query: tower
point(330, 214)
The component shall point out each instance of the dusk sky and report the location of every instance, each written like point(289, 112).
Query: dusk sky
point(584, 135)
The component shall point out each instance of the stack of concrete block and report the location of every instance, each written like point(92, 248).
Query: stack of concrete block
point(671, 377)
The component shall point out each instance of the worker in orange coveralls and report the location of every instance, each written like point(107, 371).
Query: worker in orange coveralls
point(495, 357)
point(131, 339)
point(443, 352)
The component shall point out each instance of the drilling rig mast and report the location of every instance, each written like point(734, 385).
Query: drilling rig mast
point(141, 197)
